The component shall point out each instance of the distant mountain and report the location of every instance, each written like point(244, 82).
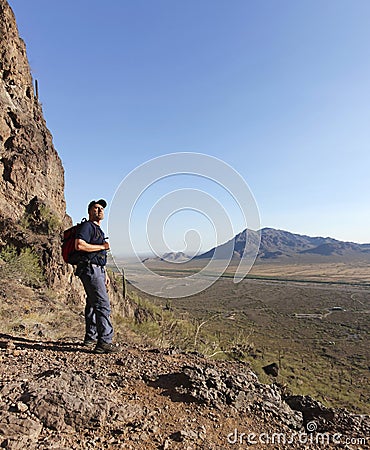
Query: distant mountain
point(280, 244)
point(175, 257)
point(170, 257)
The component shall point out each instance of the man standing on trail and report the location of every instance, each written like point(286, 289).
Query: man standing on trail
point(92, 247)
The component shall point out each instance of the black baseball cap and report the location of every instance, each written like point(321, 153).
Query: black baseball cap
point(100, 202)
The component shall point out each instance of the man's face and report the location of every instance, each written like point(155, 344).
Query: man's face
point(96, 212)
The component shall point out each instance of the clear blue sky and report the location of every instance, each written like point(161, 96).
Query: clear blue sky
point(279, 90)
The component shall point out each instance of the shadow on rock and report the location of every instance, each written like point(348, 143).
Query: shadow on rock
point(10, 342)
point(175, 385)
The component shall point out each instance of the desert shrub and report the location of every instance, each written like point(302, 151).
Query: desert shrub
point(52, 221)
point(23, 265)
point(41, 219)
point(166, 328)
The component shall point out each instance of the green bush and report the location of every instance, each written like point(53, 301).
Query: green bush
point(42, 220)
point(23, 265)
point(53, 222)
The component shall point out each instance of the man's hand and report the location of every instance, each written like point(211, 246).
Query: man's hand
point(107, 281)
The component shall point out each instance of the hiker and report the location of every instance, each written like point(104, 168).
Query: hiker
point(92, 249)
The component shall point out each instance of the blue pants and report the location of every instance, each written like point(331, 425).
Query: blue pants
point(97, 311)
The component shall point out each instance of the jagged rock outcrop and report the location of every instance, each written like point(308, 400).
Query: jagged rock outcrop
point(32, 203)
point(242, 391)
point(30, 167)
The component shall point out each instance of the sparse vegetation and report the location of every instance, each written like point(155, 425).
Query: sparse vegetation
point(29, 312)
point(163, 327)
point(43, 220)
point(23, 265)
point(50, 218)
point(322, 354)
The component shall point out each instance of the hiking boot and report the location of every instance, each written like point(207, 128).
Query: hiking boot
point(90, 344)
point(105, 347)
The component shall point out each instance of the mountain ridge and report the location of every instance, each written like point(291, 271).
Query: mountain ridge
point(278, 244)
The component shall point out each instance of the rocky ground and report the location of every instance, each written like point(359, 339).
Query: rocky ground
point(54, 394)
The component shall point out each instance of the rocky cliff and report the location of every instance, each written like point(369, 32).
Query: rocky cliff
point(32, 204)
point(30, 166)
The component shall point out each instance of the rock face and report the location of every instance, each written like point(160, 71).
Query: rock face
point(271, 369)
point(32, 204)
point(241, 390)
point(30, 167)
